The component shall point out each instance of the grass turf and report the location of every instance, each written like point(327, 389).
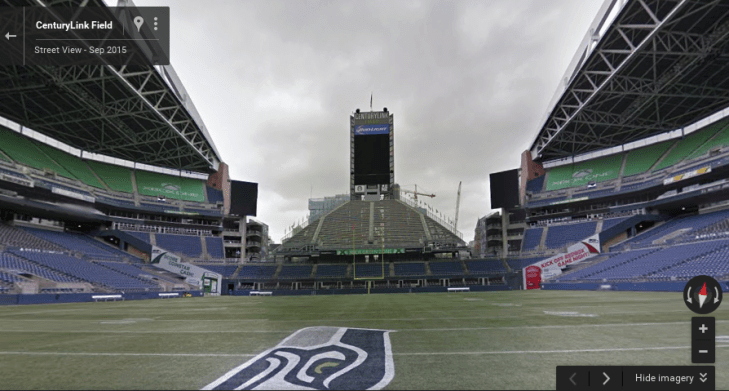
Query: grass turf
point(490, 340)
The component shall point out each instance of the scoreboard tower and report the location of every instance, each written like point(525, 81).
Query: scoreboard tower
point(372, 159)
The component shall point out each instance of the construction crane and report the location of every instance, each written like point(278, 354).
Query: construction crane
point(458, 204)
point(415, 193)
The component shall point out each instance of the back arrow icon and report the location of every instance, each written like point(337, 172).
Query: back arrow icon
point(572, 379)
point(8, 36)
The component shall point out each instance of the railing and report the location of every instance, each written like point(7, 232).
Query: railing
point(295, 228)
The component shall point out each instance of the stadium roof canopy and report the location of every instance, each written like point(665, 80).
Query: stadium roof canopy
point(660, 65)
point(141, 114)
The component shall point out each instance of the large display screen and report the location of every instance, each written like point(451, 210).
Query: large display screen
point(243, 198)
point(504, 189)
point(372, 159)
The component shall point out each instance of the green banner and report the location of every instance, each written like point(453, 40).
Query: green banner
point(373, 251)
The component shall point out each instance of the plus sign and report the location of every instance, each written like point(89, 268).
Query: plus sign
point(703, 328)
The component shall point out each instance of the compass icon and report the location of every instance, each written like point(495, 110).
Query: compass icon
point(702, 295)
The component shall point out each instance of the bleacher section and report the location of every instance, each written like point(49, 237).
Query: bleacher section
point(78, 242)
point(485, 266)
point(16, 237)
point(712, 264)
point(224, 270)
point(87, 271)
point(642, 159)
point(535, 185)
point(257, 272)
point(580, 174)
point(369, 270)
point(175, 187)
point(689, 223)
point(688, 145)
point(595, 272)
point(401, 223)
point(446, 268)
point(409, 269)
point(73, 164)
point(116, 177)
point(561, 235)
point(720, 140)
point(140, 235)
point(331, 271)
point(214, 195)
point(181, 244)
point(295, 272)
point(215, 247)
point(532, 237)
point(10, 262)
point(24, 151)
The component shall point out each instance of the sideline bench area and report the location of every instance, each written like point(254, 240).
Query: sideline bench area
point(107, 297)
point(461, 289)
point(260, 293)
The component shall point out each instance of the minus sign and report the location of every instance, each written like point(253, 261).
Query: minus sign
point(703, 351)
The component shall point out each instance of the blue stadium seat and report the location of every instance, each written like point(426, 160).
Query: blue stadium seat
point(409, 269)
point(295, 272)
point(215, 247)
point(532, 237)
point(562, 235)
point(331, 271)
point(181, 244)
point(446, 268)
point(485, 266)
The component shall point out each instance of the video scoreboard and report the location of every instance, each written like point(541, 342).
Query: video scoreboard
point(372, 163)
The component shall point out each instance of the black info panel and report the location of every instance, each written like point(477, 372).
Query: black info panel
point(504, 189)
point(243, 198)
point(372, 159)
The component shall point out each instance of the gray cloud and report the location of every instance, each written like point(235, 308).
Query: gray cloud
point(467, 81)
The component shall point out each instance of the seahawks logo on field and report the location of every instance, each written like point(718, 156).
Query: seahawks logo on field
point(582, 173)
point(317, 358)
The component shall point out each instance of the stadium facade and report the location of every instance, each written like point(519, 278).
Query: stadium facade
point(624, 186)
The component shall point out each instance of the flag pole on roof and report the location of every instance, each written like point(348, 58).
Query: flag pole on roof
point(370, 101)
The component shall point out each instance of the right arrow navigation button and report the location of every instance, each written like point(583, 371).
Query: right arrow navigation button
point(607, 378)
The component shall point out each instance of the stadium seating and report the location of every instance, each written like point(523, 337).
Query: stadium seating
point(175, 187)
point(561, 235)
point(16, 237)
point(369, 270)
point(181, 244)
point(118, 178)
point(532, 237)
point(214, 195)
point(24, 151)
point(687, 146)
point(691, 223)
point(720, 140)
point(115, 202)
point(331, 271)
point(409, 269)
point(73, 164)
point(295, 272)
point(224, 270)
point(128, 269)
point(78, 242)
point(10, 278)
point(580, 174)
point(642, 159)
point(535, 185)
point(11, 262)
point(485, 266)
point(215, 247)
point(712, 264)
point(446, 268)
point(257, 272)
point(616, 260)
point(87, 271)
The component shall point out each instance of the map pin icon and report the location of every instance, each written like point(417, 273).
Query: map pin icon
point(138, 21)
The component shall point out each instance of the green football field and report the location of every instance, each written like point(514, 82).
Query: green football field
point(490, 340)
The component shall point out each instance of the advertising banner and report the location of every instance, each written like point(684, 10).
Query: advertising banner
point(553, 266)
point(687, 175)
point(194, 275)
point(366, 130)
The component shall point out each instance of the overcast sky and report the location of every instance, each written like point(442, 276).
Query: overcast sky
point(468, 83)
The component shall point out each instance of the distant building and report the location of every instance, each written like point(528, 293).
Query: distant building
point(321, 206)
point(257, 241)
